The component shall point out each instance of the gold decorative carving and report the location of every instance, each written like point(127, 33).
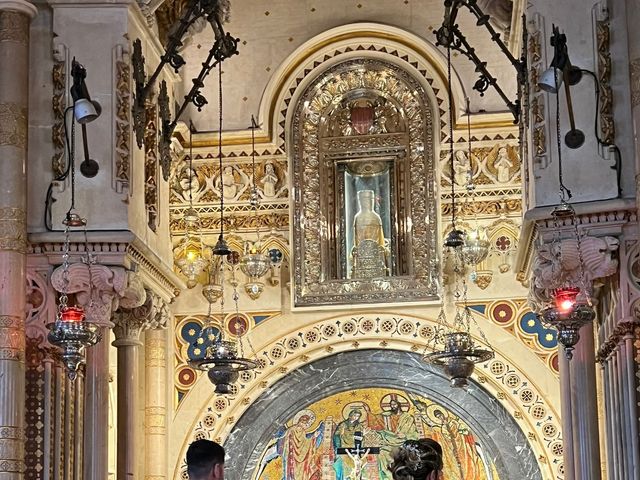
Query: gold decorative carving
point(14, 27)
point(490, 207)
point(397, 86)
point(634, 70)
point(13, 235)
point(267, 221)
point(483, 279)
point(58, 76)
point(13, 125)
point(540, 140)
point(123, 126)
point(607, 126)
point(151, 166)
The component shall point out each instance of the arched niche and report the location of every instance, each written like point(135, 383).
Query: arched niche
point(494, 430)
point(361, 120)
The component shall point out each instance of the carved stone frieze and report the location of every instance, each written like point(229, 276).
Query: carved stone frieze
point(264, 221)
point(122, 150)
point(488, 167)
point(537, 100)
point(12, 448)
point(13, 125)
point(484, 207)
point(319, 98)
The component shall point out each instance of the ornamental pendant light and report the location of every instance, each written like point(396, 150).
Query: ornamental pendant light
point(571, 307)
point(71, 332)
point(191, 256)
point(254, 264)
point(476, 245)
point(223, 359)
point(458, 353)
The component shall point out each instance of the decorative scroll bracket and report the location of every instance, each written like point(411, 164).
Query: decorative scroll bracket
point(449, 35)
point(225, 46)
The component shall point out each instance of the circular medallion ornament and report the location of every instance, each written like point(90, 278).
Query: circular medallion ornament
point(186, 377)
point(275, 255)
point(502, 313)
point(237, 325)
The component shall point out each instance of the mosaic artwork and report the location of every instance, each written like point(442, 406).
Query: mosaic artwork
point(352, 436)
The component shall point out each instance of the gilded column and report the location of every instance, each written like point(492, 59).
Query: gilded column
point(155, 412)
point(15, 17)
point(129, 323)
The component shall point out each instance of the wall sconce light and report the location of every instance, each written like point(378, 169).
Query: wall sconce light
point(562, 72)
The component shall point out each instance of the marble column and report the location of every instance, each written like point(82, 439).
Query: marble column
point(584, 408)
point(155, 412)
point(15, 18)
point(129, 323)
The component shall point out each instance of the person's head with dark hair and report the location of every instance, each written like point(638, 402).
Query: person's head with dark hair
point(417, 460)
point(205, 461)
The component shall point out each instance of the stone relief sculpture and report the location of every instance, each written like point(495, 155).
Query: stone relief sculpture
point(233, 180)
point(559, 262)
point(269, 180)
point(461, 165)
point(187, 182)
point(503, 165)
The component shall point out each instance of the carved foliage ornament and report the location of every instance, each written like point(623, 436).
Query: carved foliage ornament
point(122, 150)
point(392, 83)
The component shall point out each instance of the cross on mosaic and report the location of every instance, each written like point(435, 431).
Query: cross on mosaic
point(319, 240)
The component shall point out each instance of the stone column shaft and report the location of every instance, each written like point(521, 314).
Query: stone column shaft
point(155, 417)
point(128, 433)
point(15, 17)
point(584, 408)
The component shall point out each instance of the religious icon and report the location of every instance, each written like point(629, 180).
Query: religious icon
point(367, 240)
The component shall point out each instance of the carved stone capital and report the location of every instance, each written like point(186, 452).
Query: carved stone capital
point(558, 263)
point(129, 322)
point(102, 292)
point(41, 306)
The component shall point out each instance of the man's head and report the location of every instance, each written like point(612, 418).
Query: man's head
point(205, 461)
point(394, 406)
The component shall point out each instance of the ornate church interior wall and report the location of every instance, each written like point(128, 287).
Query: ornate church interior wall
point(338, 290)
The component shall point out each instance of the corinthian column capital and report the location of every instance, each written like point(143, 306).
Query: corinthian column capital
point(129, 322)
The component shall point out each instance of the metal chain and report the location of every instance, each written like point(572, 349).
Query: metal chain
point(65, 271)
point(451, 118)
point(583, 280)
point(90, 260)
point(220, 148)
point(72, 163)
point(191, 163)
point(254, 188)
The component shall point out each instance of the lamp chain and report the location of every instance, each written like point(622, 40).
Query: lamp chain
point(220, 149)
point(90, 259)
point(191, 163)
point(451, 118)
point(254, 188)
point(65, 271)
point(72, 163)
